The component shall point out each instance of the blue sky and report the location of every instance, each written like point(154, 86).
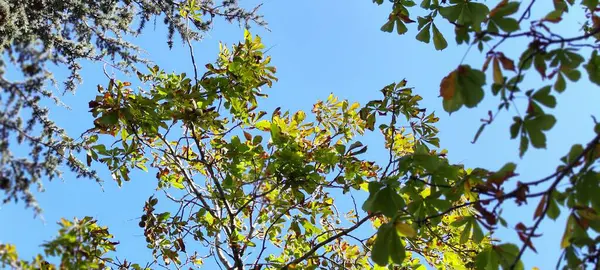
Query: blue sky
point(321, 47)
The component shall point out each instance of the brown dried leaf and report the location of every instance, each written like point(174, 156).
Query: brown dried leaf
point(486, 63)
point(497, 7)
point(507, 63)
point(540, 208)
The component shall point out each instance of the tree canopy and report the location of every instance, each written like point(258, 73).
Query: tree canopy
point(256, 189)
point(35, 34)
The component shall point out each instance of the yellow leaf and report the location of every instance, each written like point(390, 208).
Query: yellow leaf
point(565, 242)
point(299, 116)
point(470, 195)
point(498, 78)
point(364, 186)
point(263, 125)
point(535, 268)
point(405, 229)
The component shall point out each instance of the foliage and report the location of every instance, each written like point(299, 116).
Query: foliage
point(245, 191)
point(36, 33)
point(258, 190)
point(556, 59)
point(81, 244)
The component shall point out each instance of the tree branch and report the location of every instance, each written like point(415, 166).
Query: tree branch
point(328, 240)
point(591, 146)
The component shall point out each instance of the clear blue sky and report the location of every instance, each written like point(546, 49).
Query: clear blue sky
point(319, 47)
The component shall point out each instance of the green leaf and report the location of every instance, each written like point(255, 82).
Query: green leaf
point(544, 97)
point(461, 221)
point(572, 74)
point(400, 27)
point(487, 259)
point(359, 151)
point(537, 137)
point(515, 127)
point(593, 68)
point(438, 39)
point(110, 118)
point(477, 232)
point(560, 84)
point(526, 59)
point(507, 24)
point(574, 153)
point(355, 145)
point(385, 200)
point(451, 13)
point(387, 244)
point(542, 122)
point(425, 4)
point(397, 251)
point(463, 86)
point(590, 4)
point(464, 235)
point(471, 86)
point(454, 104)
point(507, 253)
point(505, 10)
point(424, 35)
point(408, 3)
point(554, 16)
point(388, 26)
point(523, 145)
point(177, 185)
point(553, 210)
point(479, 14)
point(462, 35)
point(164, 216)
point(381, 248)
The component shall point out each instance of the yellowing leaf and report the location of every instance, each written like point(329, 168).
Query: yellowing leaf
point(448, 86)
point(588, 213)
point(498, 78)
point(566, 239)
point(405, 229)
point(299, 116)
point(263, 125)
